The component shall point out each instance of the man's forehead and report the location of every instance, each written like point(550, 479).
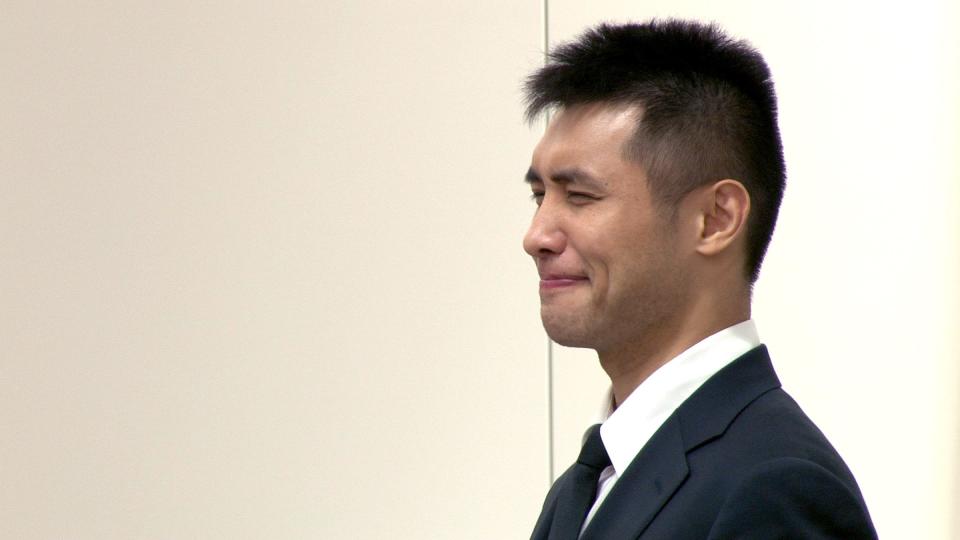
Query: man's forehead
point(583, 134)
point(612, 114)
point(590, 125)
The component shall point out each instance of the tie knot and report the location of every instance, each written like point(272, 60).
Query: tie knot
point(594, 454)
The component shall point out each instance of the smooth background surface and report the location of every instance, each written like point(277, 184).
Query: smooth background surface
point(262, 274)
point(858, 299)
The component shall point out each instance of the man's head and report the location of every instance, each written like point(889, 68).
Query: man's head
point(708, 110)
point(661, 169)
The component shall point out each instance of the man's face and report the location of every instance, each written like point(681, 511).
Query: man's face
point(611, 271)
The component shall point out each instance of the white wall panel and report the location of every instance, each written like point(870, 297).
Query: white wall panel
point(859, 299)
point(262, 273)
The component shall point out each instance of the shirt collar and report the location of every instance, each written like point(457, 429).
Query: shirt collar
point(628, 428)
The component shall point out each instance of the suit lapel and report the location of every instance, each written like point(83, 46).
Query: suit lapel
point(646, 485)
point(660, 468)
point(709, 411)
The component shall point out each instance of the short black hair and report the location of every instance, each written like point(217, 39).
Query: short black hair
point(707, 102)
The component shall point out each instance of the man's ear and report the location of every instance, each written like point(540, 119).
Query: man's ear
point(724, 207)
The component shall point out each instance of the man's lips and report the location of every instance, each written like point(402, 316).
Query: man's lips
point(556, 281)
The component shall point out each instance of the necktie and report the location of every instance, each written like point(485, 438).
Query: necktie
point(578, 492)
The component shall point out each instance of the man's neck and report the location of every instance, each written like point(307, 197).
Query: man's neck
point(633, 363)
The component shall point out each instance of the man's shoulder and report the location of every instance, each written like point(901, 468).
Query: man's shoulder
point(742, 422)
point(744, 401)
point(775, 416)
point(774, 426)
point(766, 425)
point(771, 470)
point(780, 497)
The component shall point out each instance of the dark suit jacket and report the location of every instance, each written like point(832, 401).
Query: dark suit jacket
point(738, 459)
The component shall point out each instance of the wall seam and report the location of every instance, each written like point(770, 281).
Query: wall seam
point(551, 447)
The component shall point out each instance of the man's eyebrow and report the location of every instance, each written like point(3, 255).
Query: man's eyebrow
point(576, 176)
point(568, 176)
point(531, 176)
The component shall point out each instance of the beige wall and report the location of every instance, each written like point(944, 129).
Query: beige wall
point(858, 299)
point(262, 272)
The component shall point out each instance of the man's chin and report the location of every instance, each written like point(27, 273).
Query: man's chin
point(568, 333)
point(571, 343)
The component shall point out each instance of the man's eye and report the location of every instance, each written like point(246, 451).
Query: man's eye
point(537, 197)
point(578, 197)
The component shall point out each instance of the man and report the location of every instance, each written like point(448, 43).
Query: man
point(657, 187)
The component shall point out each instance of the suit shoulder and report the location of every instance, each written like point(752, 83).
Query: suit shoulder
point(791, 497)
point(775, 424)
point(772, 429)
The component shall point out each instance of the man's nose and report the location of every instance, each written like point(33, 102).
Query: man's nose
point(545, 235)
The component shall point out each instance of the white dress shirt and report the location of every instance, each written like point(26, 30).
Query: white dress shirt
point(628, 428)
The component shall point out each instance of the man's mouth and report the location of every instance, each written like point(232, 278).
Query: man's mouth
point(557, 281)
